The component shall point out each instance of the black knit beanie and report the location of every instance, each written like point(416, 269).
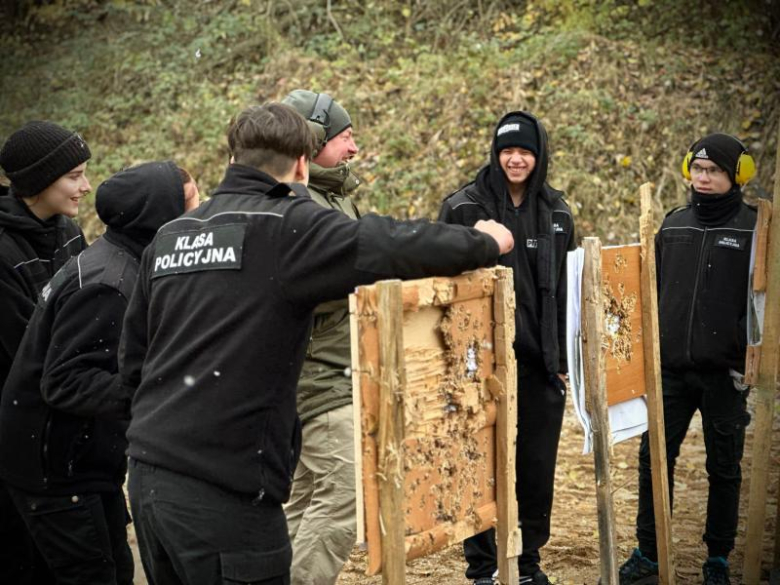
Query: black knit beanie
point(517, 132)
point(722, 149)
point(38, 154)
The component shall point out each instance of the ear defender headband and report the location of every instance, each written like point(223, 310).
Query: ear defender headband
point(319, 120)
point(746, 166)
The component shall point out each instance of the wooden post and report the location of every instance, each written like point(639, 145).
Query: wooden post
point(763, 223)
point(594, 362)
point(764, 394)
point(508, 537)
point(655, 407)
point(391, 431)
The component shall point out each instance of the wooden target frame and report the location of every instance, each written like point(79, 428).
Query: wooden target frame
point(435, 396)
point(621, 293)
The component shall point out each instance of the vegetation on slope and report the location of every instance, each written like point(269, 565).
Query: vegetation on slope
point(623, 87)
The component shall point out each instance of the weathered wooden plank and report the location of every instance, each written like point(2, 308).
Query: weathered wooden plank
point(391, 431)
point(764, 396)
point(595, 369)
point(509, 541)
point(357, 426)
point(763, 223)
point(443, 535)
point(653, 388)
point(435, 292)
point(366, 343)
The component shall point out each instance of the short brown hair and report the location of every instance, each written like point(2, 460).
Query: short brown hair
point(185, 176)
point(270, 138)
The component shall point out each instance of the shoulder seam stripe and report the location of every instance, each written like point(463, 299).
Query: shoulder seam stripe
point(78, 264)
point(69, 241)
point(682, 228)
point(270, 213)
point(30, 261)
point(465, 203)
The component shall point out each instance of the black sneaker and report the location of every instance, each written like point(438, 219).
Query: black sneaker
point(484, 581)
point(538, 578)
point(638, 570)
point(716, 571)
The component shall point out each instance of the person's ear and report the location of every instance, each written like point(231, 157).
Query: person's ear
point(301, 170)
point(191, 196)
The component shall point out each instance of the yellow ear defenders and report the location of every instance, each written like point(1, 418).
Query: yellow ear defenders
point(319, 120)
point(746, 166)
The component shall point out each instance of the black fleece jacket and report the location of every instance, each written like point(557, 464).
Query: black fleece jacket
point(216, 332)
point(543, 230)
point(31, 251)
point(702, 272)
point(63, 415)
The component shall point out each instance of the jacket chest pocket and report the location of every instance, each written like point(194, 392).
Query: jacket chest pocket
point(726, 266)
point(678, 239)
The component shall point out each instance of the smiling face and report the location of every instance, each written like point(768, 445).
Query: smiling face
point(339, 149)
point(518, 164)
point(709, 178)
point(62, 196)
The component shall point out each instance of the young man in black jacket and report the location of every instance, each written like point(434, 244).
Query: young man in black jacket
point(703, 263)
point(513, 190)
point(63, 414)
point(215, 336)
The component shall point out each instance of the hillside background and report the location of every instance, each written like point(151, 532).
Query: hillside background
point(623, 87)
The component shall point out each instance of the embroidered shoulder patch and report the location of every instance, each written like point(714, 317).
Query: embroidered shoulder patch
point(207, 248)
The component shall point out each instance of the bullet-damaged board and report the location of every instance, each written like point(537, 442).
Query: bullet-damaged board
point(625, 362)
point(434, 386)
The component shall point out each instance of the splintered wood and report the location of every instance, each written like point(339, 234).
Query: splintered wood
point(449, 388)
point(623, 323)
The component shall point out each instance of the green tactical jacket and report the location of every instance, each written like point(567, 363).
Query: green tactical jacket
point(326, 379)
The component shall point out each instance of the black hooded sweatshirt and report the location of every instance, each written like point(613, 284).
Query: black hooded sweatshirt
point(63, 415)
point(31, 251)
point(543, 229)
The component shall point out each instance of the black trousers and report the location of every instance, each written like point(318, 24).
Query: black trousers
point(540, 405)
point(20, 560)
point(724, 418)
point(194, 533)
point(81, 536)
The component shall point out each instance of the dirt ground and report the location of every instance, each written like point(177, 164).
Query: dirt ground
point(571, 556)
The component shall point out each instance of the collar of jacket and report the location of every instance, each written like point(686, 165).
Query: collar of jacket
point(339, 180)
point(16, 217)
point(244, 180)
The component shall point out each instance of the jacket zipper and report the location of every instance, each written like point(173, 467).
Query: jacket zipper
point(688, 350)
point(45, 450)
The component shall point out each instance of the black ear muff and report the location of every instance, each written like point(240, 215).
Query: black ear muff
point(319, 119)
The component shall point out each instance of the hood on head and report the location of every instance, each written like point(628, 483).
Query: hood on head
point(539, 175)
point(137, 201)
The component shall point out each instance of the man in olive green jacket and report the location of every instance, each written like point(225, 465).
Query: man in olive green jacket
point(321, 510)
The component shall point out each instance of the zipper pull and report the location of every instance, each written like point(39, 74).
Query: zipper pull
point(259, 498)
